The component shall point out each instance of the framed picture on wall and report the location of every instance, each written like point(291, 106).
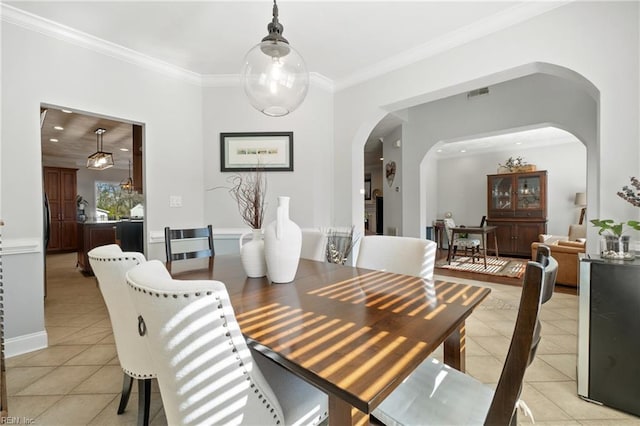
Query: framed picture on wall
point(273, 151)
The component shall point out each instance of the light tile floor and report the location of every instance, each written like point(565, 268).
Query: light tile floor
point(77, 379)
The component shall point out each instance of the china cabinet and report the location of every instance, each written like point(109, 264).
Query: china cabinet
point(517, 206)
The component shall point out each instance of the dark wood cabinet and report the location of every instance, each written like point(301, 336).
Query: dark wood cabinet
point(60, 186)
point(137, 158)
point(91, 235)
point(517, 205)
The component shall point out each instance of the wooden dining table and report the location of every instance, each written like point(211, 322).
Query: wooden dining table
point(354, 333)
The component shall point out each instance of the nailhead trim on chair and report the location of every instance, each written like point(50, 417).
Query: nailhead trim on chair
point(112, 259)
point(120, 259)
point(227, 334)
point(139, 376)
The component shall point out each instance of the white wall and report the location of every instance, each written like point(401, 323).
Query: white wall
point(515, 104)
point(39, 69)
point(462, 183)
point(391, 152)
point(597, 40)
point(309, 185)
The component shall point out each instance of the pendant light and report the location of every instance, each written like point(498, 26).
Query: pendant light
point(127, 184)
point(274, 75)
point(100, 160)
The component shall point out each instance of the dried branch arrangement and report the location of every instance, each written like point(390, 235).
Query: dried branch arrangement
point(249, 190)
point(339, 245)
point(629, 194)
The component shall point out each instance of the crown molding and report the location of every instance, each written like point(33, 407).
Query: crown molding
point(489, 25)
point(56, 30)
point(322, 82)
point(221, 80)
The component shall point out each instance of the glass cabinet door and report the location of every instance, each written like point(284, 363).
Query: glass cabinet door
point(528, 192)
point(501, 191)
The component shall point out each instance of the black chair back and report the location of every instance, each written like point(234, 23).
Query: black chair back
point(537, 281)
point(173, 235)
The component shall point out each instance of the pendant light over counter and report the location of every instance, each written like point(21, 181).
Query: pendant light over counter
point(100, 160)
point(127, 184)
point(274, 75)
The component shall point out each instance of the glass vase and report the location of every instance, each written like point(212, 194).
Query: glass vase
point(617, 248)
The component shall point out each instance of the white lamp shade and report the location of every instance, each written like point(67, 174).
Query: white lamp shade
point(581, 199)
point(275, 78)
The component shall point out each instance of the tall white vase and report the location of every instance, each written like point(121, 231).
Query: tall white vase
point(282, 245)
point(252, 254)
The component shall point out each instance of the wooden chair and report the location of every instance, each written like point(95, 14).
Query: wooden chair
point(179, 243)
point(466, 243)
point(436, 394)
point(110, 264)
point(206, 372)
point(401, 255)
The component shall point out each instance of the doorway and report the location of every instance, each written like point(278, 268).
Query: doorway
point(77, 210)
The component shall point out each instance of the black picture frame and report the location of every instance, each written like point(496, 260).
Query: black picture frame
point(273, 151)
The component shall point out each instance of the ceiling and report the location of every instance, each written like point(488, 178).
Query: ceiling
point(344, 41)
point(77, 140)
point(524, 139)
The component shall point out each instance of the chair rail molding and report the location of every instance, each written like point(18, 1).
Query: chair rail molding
point(13, 246)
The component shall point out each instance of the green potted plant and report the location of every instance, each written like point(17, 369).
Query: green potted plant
point(616, 245)
point(81, 203)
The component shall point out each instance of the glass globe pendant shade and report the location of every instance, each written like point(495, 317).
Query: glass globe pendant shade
point(275, 78)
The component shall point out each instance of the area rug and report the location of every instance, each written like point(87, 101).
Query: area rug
point(504, 267)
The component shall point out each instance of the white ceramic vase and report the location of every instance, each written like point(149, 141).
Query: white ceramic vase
point(282, 245)
point(252, 254)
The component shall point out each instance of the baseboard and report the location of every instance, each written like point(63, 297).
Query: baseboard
point(26, 343)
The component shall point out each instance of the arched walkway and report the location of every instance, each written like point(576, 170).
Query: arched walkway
point(531, 95)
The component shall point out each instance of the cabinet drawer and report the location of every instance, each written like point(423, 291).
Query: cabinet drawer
point(529, 213)
point(502, 213)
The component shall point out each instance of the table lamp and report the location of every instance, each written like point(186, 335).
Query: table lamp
point(581, 201)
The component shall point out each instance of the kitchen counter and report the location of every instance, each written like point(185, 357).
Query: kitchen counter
point(127, 233)
point(98, 222)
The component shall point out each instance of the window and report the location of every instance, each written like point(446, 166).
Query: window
point(113, 202)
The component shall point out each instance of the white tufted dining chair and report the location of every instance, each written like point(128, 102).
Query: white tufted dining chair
point(110, 264)
point(206, 372)
point(401, 255)
point(314, 245)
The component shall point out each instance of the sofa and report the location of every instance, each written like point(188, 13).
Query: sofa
point(565, 249)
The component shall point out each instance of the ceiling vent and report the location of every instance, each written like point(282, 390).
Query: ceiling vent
point(478, 92)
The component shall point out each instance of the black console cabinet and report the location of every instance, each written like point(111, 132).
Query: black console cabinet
point(608, 327)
